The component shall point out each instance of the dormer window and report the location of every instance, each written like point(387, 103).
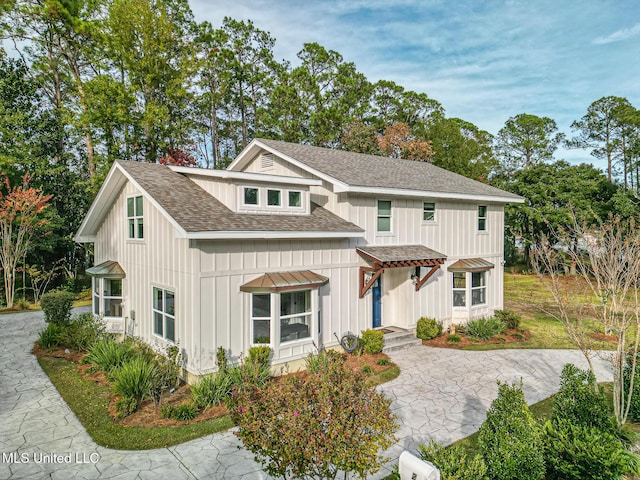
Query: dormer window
point(135, 217)
point(295, 199)
point(250, 196)
point(274, 198)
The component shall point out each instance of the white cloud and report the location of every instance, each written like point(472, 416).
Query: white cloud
point(619, 35)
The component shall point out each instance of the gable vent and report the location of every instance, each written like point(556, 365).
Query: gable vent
point(266, 161)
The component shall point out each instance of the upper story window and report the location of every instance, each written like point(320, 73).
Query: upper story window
point(429, 212)
point(384, 216)
point(250, 196)
point(482, 218)
point(135, 217)
point(164, 320)
point(295, 199)
point(274, 198)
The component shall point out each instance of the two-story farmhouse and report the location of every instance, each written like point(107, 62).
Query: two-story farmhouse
point(289, 245)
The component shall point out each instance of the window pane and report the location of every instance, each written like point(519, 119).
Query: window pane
point(459, 298)
point(157, 299)
point(295, 328)
point(295, 199)
point(459, 280)
point(113, 287)
point(273, 198)
point(384, 224)
point(477, 279)
point(482, 211)
point(169, 332)
point(169, 302)
point(139, 206)
point(130, 211)
point(140, 229)
point(113, 307)
point(384, 207)
point(157, 323)
point(478, 296)
point(261, 305)
point(251, 196)
point(295, 302)
point(96, 305)
point(482, 224)
point(261, 333)
point(429, 213)
point(132, 228)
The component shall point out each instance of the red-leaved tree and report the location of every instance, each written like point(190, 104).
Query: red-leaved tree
point(399, 142)
point(21, 210)
point(178, 157)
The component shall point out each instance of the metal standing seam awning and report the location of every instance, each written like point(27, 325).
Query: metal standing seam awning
point(281, 281)
point(470, 265)
point(107, 269)
point(398, 256)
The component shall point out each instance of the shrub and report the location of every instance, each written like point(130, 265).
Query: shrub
point(372, 341)
point(510, 428)
point(428, 328)
point(107, 354)
point(248, 373)
point(634, 408)
point(166, 411)
point(332, 422)
point(578, 451)
point(367, 369)
point(221, 359)
point(183, 412)
point(260, 355)
point(212, 389)
point(50, 336)
point(21, 304)
point(134, 379)
point(57, 306)
point(83, 332)
point(579, 403)
point(383, 362)
point(125, 406)
point(454, 338)
point(510, 318)
point(453, 462)
point(484, 328)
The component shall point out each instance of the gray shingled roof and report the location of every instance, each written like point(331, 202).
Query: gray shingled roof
point(359, 169)
point(197, 211)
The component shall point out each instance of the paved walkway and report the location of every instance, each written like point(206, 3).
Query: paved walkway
point(441, 394)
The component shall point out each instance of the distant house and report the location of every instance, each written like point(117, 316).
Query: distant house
point(289, 245)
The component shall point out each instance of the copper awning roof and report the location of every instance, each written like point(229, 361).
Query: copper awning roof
point(279, 281)
point(106, 269)
point(470, 265)
point(401, 256)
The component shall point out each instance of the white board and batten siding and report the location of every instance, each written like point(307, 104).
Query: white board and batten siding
point(159, 260)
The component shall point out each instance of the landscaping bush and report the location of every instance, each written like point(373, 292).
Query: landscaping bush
point(484, 328)
point(577, 451)
point(50, 336)
point(57, 306)
point(367, 369)
point(221, 359)
point(428, 328)
point(126, 406)
point(634, 408)
point(372, 341)
point(183, 412)
point(510, 318)
point(212, 389)
point(454, 338)
point(453, 462)
point(134, 379)
point(315, 426)
point(383, 362)
point(107, 354)
point(509, 439)
point(253, 374)
point(82, 332)
point(260, 355)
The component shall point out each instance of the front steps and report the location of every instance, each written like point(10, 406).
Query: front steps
point(399, 339)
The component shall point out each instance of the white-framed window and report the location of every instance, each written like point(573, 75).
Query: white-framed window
point(135, 222)
point(295, 315)
point(261, 318)
point(429, 212)
point(482, 218)
point(107, 297)
point(384, 216)
point(164, 320)
point(459, 289)
point(478, 288)
point(250, 196)
point(274, 198)
point(295, 198)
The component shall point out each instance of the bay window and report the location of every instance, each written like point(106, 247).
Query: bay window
point(295, 315)
point(478, 288)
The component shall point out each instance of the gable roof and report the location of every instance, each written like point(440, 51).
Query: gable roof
point(363, 173)
point(198, 215)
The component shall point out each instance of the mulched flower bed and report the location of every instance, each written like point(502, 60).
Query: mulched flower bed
point(510, 336)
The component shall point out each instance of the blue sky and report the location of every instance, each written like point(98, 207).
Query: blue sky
point(484, 61)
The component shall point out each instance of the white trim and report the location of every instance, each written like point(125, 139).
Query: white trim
point(427, 194)
point(246, 176)
point(224, 235)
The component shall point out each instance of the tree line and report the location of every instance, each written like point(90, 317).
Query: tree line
point(92, 81)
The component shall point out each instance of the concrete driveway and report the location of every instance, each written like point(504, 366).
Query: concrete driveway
point(440, 394)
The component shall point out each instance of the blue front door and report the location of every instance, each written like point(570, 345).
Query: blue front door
point(376, 295)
